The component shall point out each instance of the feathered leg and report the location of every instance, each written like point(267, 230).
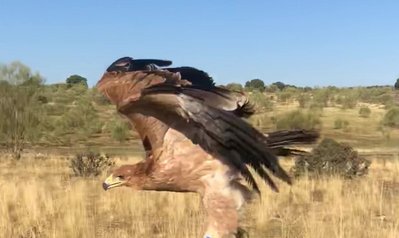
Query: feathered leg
point(222, 206)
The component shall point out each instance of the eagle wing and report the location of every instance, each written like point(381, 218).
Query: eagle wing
point(206, 117)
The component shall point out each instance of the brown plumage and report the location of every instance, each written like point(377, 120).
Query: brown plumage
point(195, 138)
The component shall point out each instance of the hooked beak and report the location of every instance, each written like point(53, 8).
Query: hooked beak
point(112, 182)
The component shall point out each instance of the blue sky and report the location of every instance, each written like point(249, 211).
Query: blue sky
point(305, 43)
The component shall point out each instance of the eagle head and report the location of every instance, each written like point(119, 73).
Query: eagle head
point(126, 175)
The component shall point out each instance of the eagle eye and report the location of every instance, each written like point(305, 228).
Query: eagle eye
point(120, 177)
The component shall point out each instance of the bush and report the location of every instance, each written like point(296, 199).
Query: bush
point(349, 102)
point(340, 124)
point(364, 112)
point(284, 96)
point(322, 97)
point(391, 118)
point(120, 131)
point(332, 158)
point(298, 120)
point(90, 164)
point(235, 87)
point(99, 98)
point(303, 100)
point(262, 103)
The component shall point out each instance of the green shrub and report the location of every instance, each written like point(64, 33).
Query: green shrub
point(261, 102)
point(284, 96)
point(90, 164)
point(386, 99)
point(332, 158)
point(55, 109)
point(340, 124)
point(364, 112)
point(235, 87)
point(82, 119)
point(391, 118)
point(261, 121)
point(303, 100)
point(349, 102)
point(316, 106)
point(322, 97)
point(99, 98)
point(120, 131)
point(298, 120)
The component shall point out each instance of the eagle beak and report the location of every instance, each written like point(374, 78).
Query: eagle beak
point(112, 182)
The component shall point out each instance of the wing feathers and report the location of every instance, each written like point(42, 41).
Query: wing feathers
point(217, 131)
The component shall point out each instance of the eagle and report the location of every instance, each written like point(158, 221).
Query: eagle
point(195, 137)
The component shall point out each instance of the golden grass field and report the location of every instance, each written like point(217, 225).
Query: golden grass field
point(40, 198)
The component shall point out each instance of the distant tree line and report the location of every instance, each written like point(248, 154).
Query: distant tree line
point(33, 113)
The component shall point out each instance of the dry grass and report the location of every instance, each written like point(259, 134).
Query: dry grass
point(39, 198)
point(361, 132)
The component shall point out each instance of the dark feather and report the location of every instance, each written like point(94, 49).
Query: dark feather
point(128, 64)
point(234, 102)
point(290, 137)
point(198, 78)
point(217, 131)
point(244, 107)
point(278, 141)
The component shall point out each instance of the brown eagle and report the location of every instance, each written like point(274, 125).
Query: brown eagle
point(195, 138)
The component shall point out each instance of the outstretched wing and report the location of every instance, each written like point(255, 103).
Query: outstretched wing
point(202, 116)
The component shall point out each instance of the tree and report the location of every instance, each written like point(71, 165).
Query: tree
point(20, 111)
point(397, 84)
point(76, 79)
point(279, 85)
point(255, 84)
point(234, 87)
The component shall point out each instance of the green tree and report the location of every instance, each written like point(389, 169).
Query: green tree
point(255, 84)
point(397, 84)
point(234, 87)
point(76, 79)
point(279, 85)
point(20, 111)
